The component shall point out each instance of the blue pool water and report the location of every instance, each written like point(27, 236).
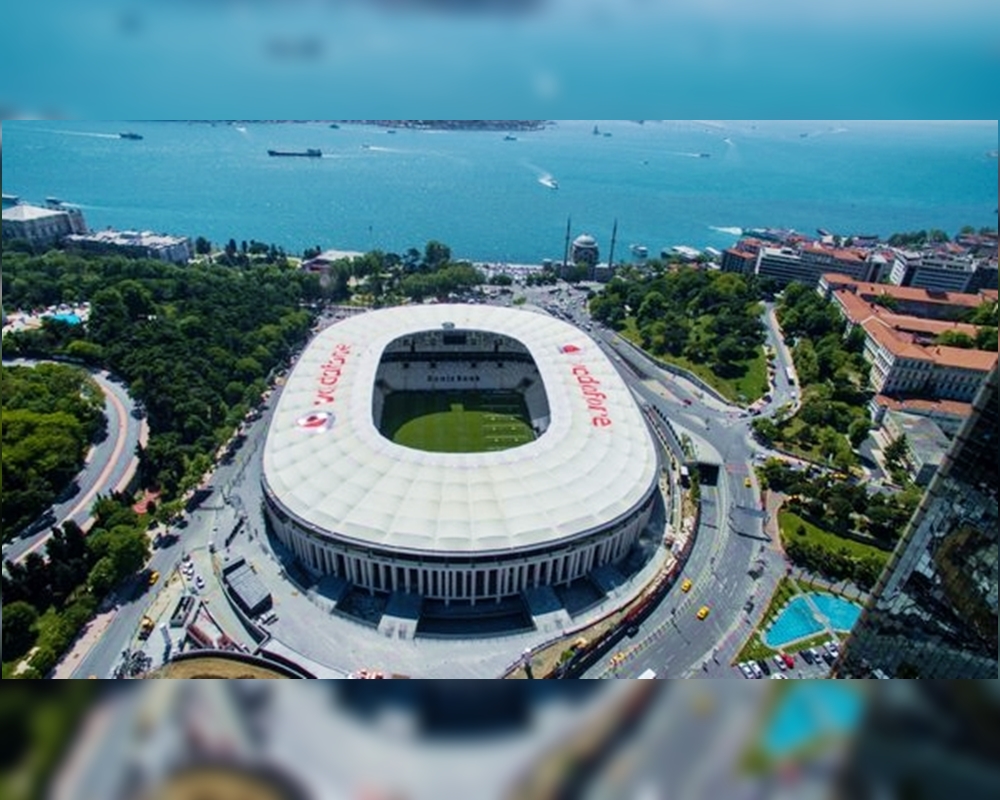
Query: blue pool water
point(70, 319)
point(841, 613)
point(798, 621)
point(809, 712)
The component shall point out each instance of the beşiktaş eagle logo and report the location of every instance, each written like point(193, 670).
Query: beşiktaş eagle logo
point(315, 422)
point(569, 348)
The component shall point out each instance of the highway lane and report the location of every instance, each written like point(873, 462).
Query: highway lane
point(730, 540)
point(109, 465)
point(237, 482)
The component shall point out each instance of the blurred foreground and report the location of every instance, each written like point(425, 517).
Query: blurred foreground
point(243, 740)
point(555, 59)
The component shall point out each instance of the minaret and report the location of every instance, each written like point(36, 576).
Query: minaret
point(566, 251)
point(611, 255)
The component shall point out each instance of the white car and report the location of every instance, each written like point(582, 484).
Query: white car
point(199, 582)
point(757, 671)
point(780, 662)
point(745, 669)
point(777, 676)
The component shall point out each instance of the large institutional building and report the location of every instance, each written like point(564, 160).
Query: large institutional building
point(457, 526)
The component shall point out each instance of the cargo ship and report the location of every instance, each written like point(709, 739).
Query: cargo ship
point(312, 152)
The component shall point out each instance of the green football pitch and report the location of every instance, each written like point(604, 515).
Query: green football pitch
point(456, 422)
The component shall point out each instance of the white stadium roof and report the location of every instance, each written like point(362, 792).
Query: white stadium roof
point(347, 479)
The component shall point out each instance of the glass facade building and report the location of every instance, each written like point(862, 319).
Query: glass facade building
point(933, 612)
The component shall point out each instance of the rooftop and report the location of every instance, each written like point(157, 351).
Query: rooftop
point(575, 478)
point(925, 406)
point(23, 212)
point(865, 289)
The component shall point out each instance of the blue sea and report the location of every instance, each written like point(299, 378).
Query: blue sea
point(484, 196)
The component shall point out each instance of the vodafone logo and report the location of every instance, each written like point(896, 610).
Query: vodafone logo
point(569, 348)
point(591, 389)
point(329, 376)
point(316, 422)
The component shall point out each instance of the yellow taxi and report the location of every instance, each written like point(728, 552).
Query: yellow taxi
point(154, 576)
point(747, 482)
point(686, 585)
point(702, 612)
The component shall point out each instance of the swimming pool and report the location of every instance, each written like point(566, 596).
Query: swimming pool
point(70, 319)
point(810, 712)
point(841, 613)
point(798, 619)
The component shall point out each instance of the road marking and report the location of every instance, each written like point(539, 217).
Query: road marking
point(101, 479)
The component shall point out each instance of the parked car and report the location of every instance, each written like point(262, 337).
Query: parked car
point(745, 669)
point(789, 661)
point(686, 585)
point(815, 654)
point(807, 657)
point(780, 662)
point(757, 671)
point(702, 612)
point(199, 582)
point(764, 667)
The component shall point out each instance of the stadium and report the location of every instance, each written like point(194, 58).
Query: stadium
point(461, 454)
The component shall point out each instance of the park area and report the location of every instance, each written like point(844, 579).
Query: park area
point(457, 422)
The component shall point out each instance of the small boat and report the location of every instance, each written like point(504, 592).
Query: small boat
point(130, 135)
point(335, 126)
point(596, 131)
point(639, 250)
point(510, 138)
point(991, 153)
point(607, 135)
point(704, 155)
point(391, 130)
point(549, 182)
point(312, 152)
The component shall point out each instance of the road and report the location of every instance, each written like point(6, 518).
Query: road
point(109, 466)
point(730, 543)
point(193, 535)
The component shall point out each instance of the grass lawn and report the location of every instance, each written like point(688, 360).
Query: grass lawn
point(789, 524)
point(752, 384)
point(456, 421)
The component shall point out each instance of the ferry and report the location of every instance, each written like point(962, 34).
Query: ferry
point(312, 152)
point(130, 135)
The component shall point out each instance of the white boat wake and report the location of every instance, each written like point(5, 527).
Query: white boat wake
point(732, 231)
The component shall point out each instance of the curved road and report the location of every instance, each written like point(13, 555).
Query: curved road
point(109, 466)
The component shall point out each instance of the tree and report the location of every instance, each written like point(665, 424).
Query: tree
point(102, 577)
point(895, 451)
point(202, 246)
point(19, 634)
point(436, 254)
point(857, 431)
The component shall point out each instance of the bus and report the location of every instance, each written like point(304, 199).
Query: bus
point(648, 675)
point(790, 374)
